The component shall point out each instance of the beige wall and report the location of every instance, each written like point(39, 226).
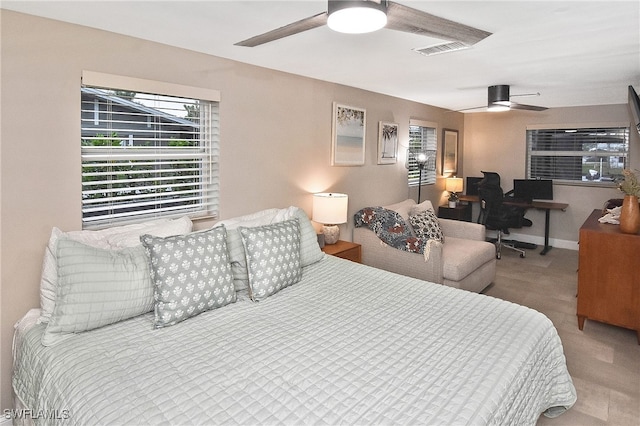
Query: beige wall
point(275, 128)
point(497, 142)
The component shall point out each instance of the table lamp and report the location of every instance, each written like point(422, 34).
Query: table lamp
point(330, 209)
point(453, 185)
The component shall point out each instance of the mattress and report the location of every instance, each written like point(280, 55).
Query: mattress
point(348, 344)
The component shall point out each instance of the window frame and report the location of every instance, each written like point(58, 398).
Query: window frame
point(566, 154)
point(430, 145)
point(178, 173)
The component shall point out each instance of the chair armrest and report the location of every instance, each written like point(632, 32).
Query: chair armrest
point(379, 255)
point(460, 229)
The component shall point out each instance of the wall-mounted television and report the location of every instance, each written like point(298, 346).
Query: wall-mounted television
point(634, 108)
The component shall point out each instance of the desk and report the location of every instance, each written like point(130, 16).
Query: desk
point(547, 206)
point(459, 212)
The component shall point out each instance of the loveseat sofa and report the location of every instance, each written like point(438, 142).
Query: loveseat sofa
point(464, 260)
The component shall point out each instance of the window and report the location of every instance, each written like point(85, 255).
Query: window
point(594, 155)
point(422, 138)
point(147, 155)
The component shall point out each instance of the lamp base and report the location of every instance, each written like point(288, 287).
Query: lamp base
point(331, 233)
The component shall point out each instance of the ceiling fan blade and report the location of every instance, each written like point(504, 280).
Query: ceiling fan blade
point(470, 109)
point(305, 24)
point(527, 107)
point(410, 20)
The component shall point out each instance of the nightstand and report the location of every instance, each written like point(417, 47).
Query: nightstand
point(345, 249)
point(459, 212)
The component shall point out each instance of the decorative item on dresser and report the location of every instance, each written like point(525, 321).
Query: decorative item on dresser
point(630, 212)
point(608, 282)
point(330, 209)
point(345, 250)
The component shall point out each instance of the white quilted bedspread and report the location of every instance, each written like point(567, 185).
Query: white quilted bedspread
point(347, 345)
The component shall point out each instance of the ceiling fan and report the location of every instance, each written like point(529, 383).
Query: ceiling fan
point(382, 13)
point(499, 99)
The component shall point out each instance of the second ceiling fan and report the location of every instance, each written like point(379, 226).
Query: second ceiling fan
point(499, 99)
point(382, 13)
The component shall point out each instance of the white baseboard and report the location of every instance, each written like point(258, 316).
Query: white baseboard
point(525, 238)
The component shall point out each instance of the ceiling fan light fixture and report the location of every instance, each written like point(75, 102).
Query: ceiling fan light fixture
point(498, 98)
point(498, 108)
point(356, 17)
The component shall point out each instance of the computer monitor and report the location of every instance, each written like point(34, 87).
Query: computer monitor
point(472, 185)
point(533, 189)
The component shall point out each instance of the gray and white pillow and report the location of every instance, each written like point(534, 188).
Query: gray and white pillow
point(273, 257)
point(309, 250)
point(425, 225)
point(191, 274)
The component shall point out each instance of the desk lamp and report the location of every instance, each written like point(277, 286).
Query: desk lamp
point(330, 209)
point(453, 185)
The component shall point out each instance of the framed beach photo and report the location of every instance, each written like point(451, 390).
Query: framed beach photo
point(387, 143)
point(449, 152)
point(348, 132)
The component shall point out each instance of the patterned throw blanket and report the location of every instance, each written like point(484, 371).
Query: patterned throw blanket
point(391, 228)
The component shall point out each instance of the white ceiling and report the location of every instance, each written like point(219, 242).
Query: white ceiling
point(572, 52)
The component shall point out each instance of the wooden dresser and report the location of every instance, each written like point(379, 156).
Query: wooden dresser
point(608, 275)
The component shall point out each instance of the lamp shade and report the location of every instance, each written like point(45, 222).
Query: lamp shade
point(453, 184)
point(330, 208)
point(356, 17)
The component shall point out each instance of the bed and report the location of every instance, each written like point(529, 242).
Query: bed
point(346, 344)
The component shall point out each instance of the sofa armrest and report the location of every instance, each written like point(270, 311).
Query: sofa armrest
point(379, 255)
point(460, 229)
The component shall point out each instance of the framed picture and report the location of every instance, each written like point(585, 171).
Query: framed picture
point(387, 143)
point(348, 131)
point(449, 152)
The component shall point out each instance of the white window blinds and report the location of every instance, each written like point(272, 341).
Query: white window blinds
point(147, 155)
point(595, 155)
point(423, 137)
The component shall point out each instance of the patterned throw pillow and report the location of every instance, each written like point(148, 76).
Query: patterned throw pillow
point(425, 225)
point(191, 274)
point(273, 257)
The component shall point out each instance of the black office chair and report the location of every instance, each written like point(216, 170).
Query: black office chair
point(497, 216)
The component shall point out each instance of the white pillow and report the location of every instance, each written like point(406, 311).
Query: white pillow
point(110, 238)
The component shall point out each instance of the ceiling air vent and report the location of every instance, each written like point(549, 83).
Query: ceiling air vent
point(449, 46)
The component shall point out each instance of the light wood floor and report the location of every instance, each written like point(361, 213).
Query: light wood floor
point(603, 360)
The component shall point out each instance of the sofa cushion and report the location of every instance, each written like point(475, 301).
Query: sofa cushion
point(417, 208)
point(462, 257)
point(403, 208)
